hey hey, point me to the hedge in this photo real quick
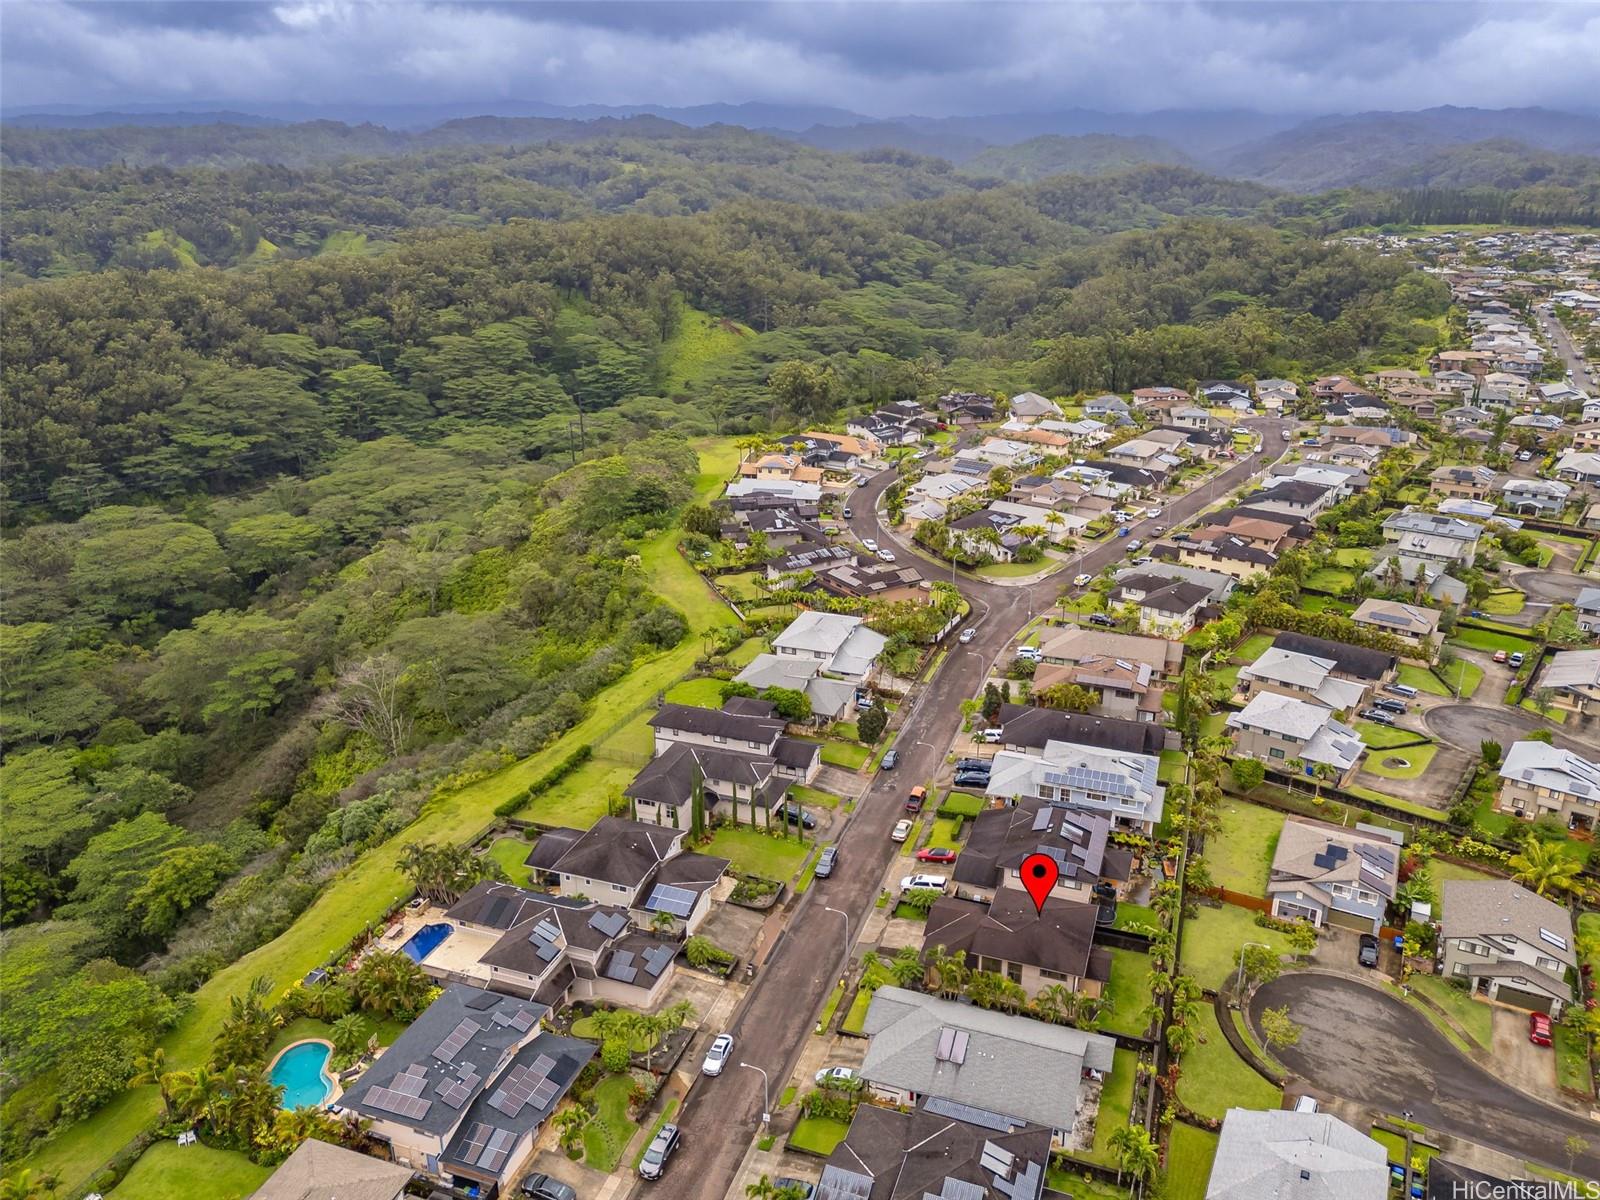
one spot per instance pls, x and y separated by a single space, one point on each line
545 782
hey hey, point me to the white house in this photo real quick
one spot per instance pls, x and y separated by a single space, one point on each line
842 645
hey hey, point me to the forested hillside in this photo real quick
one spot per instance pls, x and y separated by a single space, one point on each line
1089 154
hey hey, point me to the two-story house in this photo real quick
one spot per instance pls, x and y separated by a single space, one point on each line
1537 779
1227 555
1093 869
1304 676
1167 608
629 864
1536 497
1374 668
1431 537
1122 688
841 645
1121 786
1461 482
1414 625
1302 501
1587 609
1278 729
1510 944
1333 876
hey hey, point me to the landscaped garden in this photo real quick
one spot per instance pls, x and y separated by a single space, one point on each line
1572 1060
874 976
1213 938
606 1135
1407 762
753 852
1116 1102
818 1135
1216 1079
1240 854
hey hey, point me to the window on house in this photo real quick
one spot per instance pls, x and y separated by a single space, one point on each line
1274 752
1057 976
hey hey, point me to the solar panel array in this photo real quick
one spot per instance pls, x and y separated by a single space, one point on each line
675 900
487 1147
621 967
839 1184
482 1001
1088 779
413 1081
656 959
996 1159
524 1085
459 1037
1555 939
1380 858
413 1108
609 924
980 1117
456 1092
1026 1184
961 1189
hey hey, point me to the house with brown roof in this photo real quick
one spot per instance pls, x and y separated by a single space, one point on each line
321 1171
780 466
1227 555
1461 482
1123 689
1093 869
626 863
1033 947
1073 645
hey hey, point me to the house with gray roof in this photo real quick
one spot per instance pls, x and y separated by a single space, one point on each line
628 864
1587 607
830 698
1432 537
1278 729
1282 1155
893 1155
842 645
464 1092
1032 406
1120 785
1536 497
1538 779
322 1171
990 1068
1029 727
1306 676
1093 869
1333 876
1510 944
1414 625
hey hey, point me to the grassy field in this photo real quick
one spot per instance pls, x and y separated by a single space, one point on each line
846 755
943 834
344 241
1128 993
1477 1019
579 800
364 889
1190 1152
301 1028
1216 1079
1422 679
1213 938
1418 759
1483 639
194 1172
962 804
872 979
1129 915
1353 556
702 693
1116 1102
606 1135
1381 737
1016 570
510 853
754 853
1225 681
1171 769
813 797
1319 604
1240 855
1442 870
1336 581
818 1135
699 341
1506 602
1252 648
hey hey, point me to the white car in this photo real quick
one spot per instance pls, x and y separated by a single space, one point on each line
717 1056
1154 512
1082 580
836 1075
901 831
869 545
886 555
967 635
920 881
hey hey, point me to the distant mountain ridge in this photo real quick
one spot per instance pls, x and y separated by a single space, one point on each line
1085 154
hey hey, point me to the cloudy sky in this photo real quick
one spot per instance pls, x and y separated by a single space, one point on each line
881 59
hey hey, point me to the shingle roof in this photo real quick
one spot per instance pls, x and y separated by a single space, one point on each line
1347 659
1059 937
712 722
1025 725
1295 1156
1497 908
892 1155
1002 837
613 850
321 1171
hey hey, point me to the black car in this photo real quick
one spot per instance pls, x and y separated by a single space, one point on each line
542 1187
826 863
972 780
1394 706
972 764
796 815
1101 619
1377 716
662 1147
891 760
1367 956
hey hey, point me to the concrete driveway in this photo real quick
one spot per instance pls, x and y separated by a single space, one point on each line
1364 1045
1517 1060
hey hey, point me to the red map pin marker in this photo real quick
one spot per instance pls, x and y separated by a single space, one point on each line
1039 875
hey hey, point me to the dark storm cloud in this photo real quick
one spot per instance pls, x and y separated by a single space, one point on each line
883 58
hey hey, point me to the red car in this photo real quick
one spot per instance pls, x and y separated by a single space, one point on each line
1539 1029
1500 656
936 854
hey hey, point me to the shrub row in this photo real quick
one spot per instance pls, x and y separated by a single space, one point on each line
545 782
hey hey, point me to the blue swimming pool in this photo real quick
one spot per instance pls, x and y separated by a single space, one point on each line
302 1072
425 941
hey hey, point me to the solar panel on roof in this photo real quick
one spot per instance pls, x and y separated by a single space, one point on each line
656 959
410 1082
542 1066
675 900
548 930
543 1094
995 1159
839 1184
477 1138
609 924
522 1020
1041 819
621 967
388 1100
1322 861
546 951
496 911
965 1112
961 1189
459 1037
495 1153
481 1001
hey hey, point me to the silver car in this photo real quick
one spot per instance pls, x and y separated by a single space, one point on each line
717 1056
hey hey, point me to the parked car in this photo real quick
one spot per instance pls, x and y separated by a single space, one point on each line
917 798
936 854
1367 955
846 513
1158 529
1518 659
885 555
970 764
1525 456
890 761
836 1075
1082 580
1377 716
967 635
1031 653
826 862
1394 706
796 815
1123 531
979 783
921 881
1101 619
717 1055
992 735
1401 689
869 545
542 1187
662 1147
1154 512
1539 1029
901 831
1500 656
1284 434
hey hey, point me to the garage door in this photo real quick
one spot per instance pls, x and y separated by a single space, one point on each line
1532 1001
1349 920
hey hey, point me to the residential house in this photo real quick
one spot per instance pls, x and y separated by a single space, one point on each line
1227 555
1393 377
1462 482
887 428
627 864
892 1155
1514 384
1573 676
1391 568
1345 481
1587 606
1586 437
789 491
1334 876
1074 644
842 645
1536 497
817 558
1111 409
1120 785
1512 945
1134 480
1466 416
1352 455
1278 729
1030 406
1167 608
855 447
965 409
1538 422
464 1092
779 466
1218 586
1287 386
1031 946
1284 1155
830 698
1305 676
1223 393
1432 537
1025 727
1272 532
556 949
1335 387
1003 452
1201 445
943 487
319 1170
1460 383
1191 417
1093 870
958 1060
1538 779
1417 627
988 533
1122 689
1161 397
1373 668
1143 452
1577 466
1302 501
1386 438
873 581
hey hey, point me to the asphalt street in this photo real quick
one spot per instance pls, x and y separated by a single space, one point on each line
720 1116
1360 1044
1468 726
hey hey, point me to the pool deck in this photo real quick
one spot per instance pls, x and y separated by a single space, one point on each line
335 1089
455 958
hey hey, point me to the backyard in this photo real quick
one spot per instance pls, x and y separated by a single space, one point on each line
753 852
1408 762
818 1135
1127 994
702 693
1487 639
195 1172
1252 648
1240 854
1213 938
510 852
1190 1151
1461 674
606 1135
1116 1102
1216 1079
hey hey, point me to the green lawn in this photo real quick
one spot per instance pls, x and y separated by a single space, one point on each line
1212 940
1417 759
1116 1102
194 1172
742 585
1504 603
1216 1079
579 800
1240 854
1589 926
1353 556
943 834
830 1006
1190 1152
1128 992
699 341
756 853
1381 737
510 853
843 754
301 1028
818 1135
1483 639
1572 1061
1016 570
1225 681
354 898
962 804
1462 673
705 692
1476 1018
872 979
1336 581
814 797
1172 761
584 1027
1423 679
1129 915
1319 604
1441 870
1395 1146
746 652
606 1135
1253 647
1216 725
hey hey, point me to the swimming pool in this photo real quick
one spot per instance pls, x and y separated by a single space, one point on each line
302 1072
425 941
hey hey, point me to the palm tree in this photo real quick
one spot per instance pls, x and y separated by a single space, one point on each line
1121 1139
1180 1039
348 1033
1137 1156
906 967
151 1068
1543 867
196 1093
